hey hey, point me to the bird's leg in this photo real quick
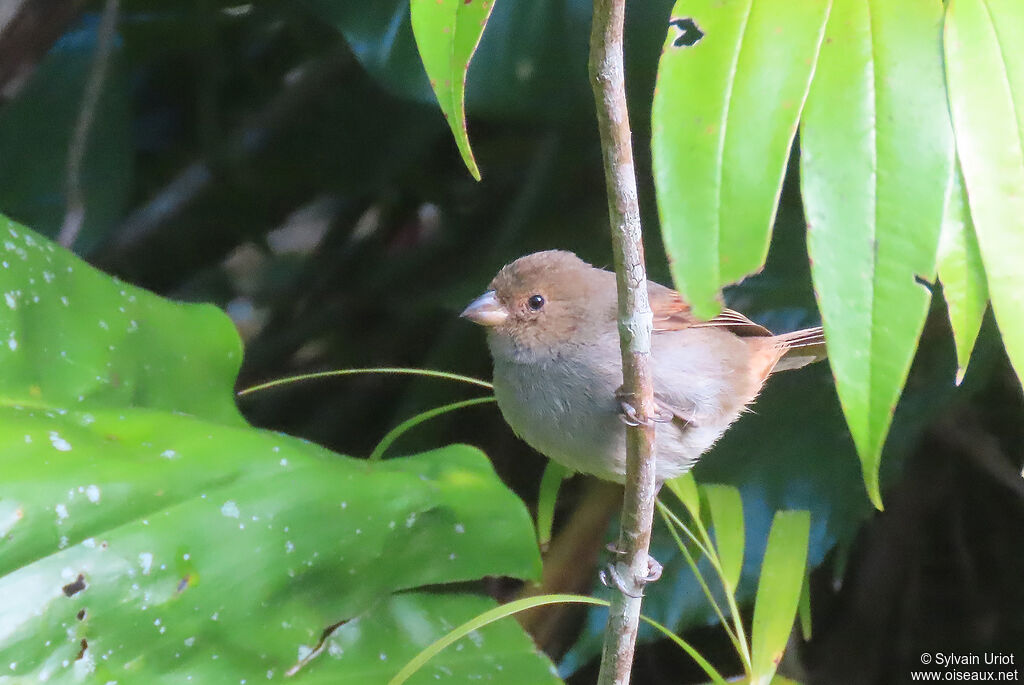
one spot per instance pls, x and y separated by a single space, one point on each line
629 416
611 575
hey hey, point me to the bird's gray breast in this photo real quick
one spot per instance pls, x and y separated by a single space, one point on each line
565 408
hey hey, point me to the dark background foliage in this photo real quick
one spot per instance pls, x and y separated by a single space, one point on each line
286 161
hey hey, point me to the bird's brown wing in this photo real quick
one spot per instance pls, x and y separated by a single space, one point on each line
672 313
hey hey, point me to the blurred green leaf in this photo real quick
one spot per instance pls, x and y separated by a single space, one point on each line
550 484
145 528
876 154
725 113
778 592
36 130
447 34
962 273
804 610
685 488
984 43
726 510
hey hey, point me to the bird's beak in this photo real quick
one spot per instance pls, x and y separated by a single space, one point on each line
486 310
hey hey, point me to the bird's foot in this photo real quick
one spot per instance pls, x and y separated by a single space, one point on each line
614 575
629 415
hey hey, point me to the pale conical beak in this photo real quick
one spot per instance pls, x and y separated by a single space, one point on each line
486 310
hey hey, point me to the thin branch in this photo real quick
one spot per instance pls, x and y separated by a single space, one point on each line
27 30
635 321
74 215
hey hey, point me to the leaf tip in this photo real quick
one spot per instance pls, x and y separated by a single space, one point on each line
874 493
961 371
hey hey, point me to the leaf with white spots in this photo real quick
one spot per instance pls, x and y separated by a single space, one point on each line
145 524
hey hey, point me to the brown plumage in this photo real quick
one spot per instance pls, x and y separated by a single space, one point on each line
553 335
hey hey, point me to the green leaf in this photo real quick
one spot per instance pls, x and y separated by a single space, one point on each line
876 154
484 619
961 272
685 488
724 115
984 43
804 610
778 592
726 510
447 33
550 484
402 625
75 338
146 528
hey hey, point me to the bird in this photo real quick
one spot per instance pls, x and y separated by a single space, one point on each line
552 330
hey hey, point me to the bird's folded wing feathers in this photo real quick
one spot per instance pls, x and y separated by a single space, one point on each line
672 313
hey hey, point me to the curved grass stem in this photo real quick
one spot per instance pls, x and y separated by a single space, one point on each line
396 371
401 428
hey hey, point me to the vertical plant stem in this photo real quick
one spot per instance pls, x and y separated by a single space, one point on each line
74 214
635 321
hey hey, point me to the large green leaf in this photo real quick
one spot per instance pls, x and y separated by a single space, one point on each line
778 592
148 532
876 153
732 80
984 42
961 272
447 33
403 624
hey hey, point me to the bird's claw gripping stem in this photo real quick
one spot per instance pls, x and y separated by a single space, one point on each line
628 414
612 575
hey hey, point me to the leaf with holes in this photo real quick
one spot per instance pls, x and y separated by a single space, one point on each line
146 529
447 33
876 155
732 80
984 43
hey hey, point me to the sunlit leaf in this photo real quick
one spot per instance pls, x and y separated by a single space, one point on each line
447 33
984 42
732 80
876 153
962 274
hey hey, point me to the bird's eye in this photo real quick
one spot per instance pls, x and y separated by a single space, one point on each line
535 302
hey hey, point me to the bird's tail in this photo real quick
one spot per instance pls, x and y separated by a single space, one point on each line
800 348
